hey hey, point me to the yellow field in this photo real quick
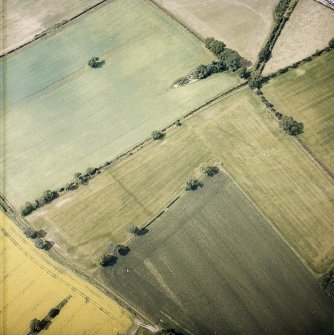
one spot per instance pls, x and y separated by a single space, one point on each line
239 132
309 28
32 284
242 25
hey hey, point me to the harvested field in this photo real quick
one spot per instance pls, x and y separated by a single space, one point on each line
306 94
242 25
239 132
32 284
24 19
72 117
310 27
213 265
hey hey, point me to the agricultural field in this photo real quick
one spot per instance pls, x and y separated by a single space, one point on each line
72 117
32 285
310 27
306 94
237 131
213 265
243 25
24 19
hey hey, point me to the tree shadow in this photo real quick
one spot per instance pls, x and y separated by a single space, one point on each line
142 232
48 245
123 251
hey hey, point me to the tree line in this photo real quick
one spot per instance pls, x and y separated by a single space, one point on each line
227 60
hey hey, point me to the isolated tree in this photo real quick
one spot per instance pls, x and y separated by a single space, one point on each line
192 184
157 135
291 126
133 230
30 233
27 208
95 63
209 170
39 243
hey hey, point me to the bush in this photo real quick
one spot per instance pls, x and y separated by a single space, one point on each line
30 233
49 195
157 135
280 9
95 63
243 73
27 209
264 54
39 243
290 126
53 313
331 43
192 184
255 81
231 59
35 326
215 46
209 170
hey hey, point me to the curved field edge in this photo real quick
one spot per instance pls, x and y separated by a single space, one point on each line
73 117
306 94
32 284
237 131
212 264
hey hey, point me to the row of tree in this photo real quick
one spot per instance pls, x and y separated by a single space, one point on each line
228 60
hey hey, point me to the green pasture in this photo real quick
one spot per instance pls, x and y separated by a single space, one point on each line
62 117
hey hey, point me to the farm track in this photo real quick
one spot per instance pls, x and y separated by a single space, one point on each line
53 30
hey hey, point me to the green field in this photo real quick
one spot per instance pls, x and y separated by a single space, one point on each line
239 132
213 265
306 94
72 117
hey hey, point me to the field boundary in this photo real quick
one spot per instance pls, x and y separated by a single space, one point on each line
21 222
54 28
272 225
274 34
53 274
176 19
317 161
149 140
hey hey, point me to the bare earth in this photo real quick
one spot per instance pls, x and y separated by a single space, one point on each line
25 19
242 24
310 27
